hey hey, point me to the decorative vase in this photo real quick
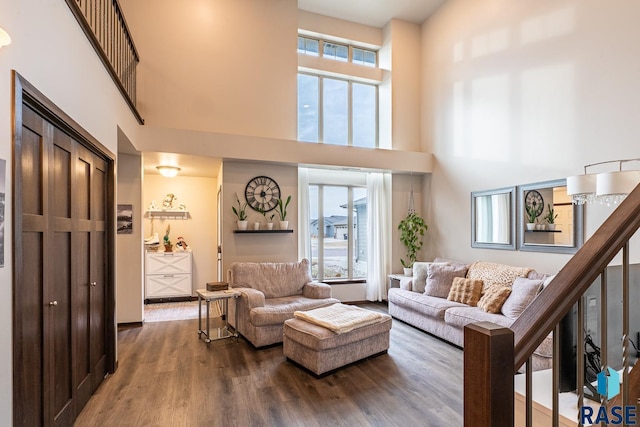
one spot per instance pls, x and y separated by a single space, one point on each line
408 271
551 227
269 226
256 226
539 226
242 225
531 226
284 225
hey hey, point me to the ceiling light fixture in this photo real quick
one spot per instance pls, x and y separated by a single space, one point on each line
609 188
168 171
4 38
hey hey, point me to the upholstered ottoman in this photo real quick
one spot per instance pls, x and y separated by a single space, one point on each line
321 350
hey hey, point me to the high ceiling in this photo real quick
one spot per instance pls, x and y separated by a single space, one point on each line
373 12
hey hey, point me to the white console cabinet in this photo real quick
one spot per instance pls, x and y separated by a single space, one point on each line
167 274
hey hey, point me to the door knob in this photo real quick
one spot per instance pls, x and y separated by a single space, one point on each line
53 303
94 283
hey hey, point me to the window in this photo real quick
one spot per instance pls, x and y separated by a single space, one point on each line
307 46
337 51
336 111
338 227
364 57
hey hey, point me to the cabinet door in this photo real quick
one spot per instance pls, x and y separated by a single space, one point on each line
168 285
168 263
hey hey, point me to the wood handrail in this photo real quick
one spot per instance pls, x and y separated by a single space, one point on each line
547 310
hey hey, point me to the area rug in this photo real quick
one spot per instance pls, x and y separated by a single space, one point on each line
170 311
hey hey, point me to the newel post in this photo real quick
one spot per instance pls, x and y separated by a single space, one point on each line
488 375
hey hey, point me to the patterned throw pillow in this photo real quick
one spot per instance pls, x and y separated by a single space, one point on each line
465 291
440 277
494 298
523 292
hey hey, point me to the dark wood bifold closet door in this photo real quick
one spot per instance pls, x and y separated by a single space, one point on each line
60 292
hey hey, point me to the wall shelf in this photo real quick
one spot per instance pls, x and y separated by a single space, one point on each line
261 231
543 231
169 213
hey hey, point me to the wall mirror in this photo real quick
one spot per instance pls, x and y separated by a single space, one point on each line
547 219
493 223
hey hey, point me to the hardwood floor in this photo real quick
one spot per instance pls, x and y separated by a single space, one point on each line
167 377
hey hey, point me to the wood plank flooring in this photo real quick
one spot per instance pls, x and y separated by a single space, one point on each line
168 377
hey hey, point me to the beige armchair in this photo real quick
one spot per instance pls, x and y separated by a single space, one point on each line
270 293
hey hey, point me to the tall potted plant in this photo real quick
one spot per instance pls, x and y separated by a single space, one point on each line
412 229
282 213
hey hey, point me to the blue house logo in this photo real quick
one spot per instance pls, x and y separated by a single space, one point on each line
609 383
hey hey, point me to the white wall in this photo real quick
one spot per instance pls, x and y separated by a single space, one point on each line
199 195
129 261
49 50
257 247
217 65
522 92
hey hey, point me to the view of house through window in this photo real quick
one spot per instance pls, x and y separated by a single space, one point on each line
338 227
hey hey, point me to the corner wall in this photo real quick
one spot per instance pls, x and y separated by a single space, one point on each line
522 92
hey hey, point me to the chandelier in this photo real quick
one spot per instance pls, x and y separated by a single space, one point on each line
608 188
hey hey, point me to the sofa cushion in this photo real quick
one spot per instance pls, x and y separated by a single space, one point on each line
492 300
523 292
462 316
450 261
493 274
277 310
440 278
465 291
274 279
421 303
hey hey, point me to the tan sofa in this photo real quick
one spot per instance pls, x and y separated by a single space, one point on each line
270 293
422 301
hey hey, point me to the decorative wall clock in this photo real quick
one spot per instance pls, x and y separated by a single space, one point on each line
262 193
533 200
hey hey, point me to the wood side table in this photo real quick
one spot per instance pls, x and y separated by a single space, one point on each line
223 297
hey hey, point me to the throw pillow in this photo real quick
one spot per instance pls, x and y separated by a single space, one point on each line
465 291
523 292
492 300
419 276
440 277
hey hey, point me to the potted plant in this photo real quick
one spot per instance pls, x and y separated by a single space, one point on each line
241 214
268 219
282 213
531 217
551 217
411 229
167 242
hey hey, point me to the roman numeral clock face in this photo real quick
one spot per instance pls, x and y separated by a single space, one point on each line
262 193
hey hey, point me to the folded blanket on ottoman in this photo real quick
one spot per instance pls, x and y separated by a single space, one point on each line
339 318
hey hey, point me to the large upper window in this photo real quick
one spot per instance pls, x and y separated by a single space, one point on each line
336 111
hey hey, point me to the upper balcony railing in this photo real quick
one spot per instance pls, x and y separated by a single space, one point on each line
104 24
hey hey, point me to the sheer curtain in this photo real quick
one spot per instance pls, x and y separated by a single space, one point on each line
304 235
379 235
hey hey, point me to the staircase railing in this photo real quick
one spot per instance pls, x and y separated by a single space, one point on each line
104 25
492 354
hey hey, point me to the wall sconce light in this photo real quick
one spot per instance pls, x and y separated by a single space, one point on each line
168 171
609 188
4 38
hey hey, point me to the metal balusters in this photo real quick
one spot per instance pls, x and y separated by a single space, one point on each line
105 26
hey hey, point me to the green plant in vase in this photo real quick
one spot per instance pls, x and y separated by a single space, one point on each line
241 214
550 217
412 229
282 212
